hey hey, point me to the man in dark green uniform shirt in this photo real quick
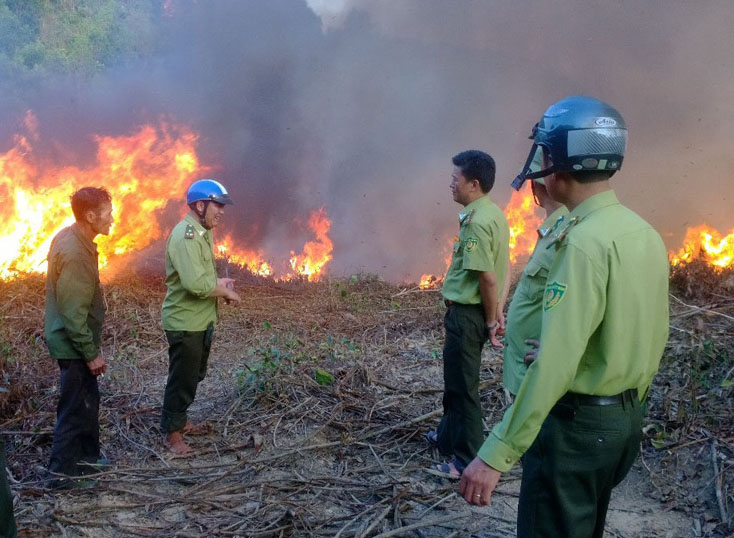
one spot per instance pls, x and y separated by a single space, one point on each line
473 293
73 328
190 306
577 419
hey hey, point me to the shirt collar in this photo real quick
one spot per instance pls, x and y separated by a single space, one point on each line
593 203
552 221
91 246
476 204
196 224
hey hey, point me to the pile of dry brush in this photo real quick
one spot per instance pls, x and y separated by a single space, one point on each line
317 396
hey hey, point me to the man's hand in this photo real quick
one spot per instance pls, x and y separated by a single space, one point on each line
225 288
97 366
478 482
492 330
501 321
532 353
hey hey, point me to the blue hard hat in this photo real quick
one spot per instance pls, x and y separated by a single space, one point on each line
207 189
580 133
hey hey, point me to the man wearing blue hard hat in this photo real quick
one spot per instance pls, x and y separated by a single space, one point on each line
576 420
190 307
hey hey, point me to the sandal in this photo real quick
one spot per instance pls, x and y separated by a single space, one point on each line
432 437
196 429
453 469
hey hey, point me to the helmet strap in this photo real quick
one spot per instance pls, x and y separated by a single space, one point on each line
201 214
527 174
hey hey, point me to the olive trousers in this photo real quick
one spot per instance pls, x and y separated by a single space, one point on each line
581 453
188 356
460 431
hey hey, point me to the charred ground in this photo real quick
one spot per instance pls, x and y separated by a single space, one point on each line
318 395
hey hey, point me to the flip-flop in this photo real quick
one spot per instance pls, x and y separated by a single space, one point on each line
432 437
453 469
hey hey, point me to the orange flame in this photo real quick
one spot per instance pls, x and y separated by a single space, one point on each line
140 171
522 216
707 243
252 261
316 254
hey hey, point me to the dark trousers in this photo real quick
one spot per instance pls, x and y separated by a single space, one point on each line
76 436
188 355
7 520
580 454
460 431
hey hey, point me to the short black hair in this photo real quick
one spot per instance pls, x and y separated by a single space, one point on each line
591 176
89 199
475 164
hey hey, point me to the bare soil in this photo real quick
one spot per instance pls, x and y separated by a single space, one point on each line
318 395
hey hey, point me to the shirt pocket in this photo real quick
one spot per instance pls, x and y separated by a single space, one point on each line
535 277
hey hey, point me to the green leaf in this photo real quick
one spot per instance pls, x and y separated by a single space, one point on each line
323 377
657 443
727 383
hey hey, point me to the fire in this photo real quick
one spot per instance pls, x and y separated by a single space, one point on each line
143 172
316 254
703 241
428 281
522 216
254 262
140 171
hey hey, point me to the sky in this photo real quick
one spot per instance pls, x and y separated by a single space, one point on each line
357 106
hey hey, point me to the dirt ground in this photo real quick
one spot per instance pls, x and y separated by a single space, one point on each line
318 396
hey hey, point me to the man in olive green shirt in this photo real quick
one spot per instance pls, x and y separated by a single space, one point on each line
73 329
576 420
474 291
190 307
525 313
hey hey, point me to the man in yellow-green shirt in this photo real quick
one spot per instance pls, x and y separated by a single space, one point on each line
190 307
576 420
474 294
525 314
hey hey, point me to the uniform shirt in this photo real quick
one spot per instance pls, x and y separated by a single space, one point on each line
482 245
526 308
74 306
605 320
190 277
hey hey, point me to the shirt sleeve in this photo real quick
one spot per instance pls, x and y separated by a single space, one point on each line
193 268
573 305
75 288
478 248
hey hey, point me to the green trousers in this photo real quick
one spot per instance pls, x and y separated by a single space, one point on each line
7 520
460 431
188 356
580 454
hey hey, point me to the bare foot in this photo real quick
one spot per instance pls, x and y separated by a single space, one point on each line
175 443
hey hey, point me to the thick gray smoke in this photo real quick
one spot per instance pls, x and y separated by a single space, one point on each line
358 106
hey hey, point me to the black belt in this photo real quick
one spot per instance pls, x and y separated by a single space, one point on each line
449 302
573 398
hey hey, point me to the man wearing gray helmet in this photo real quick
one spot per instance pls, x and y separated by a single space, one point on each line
576 420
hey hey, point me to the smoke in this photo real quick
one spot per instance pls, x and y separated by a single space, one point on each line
357 106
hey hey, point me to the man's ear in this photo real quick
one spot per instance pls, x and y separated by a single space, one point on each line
90 216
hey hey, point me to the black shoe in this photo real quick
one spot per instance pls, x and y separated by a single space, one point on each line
432 437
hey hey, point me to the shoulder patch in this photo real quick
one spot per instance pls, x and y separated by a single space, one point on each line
554 293
189 233
560 236
471 243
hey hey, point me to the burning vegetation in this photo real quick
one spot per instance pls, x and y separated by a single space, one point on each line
319 388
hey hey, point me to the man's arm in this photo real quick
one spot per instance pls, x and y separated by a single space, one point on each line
74 294
489 291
